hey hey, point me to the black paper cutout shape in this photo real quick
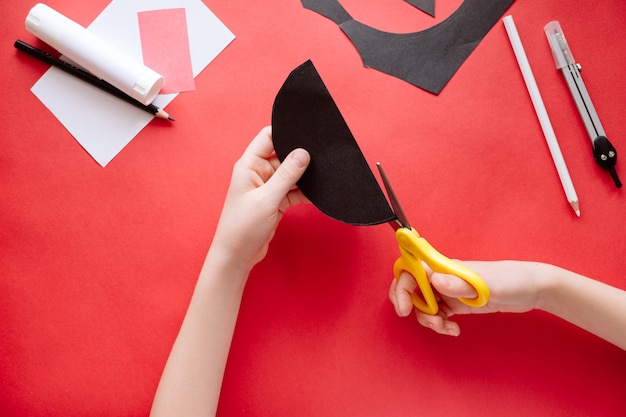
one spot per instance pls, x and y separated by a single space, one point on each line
427 59
338 181
427 6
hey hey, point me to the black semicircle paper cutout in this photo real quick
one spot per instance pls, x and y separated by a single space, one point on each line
338 181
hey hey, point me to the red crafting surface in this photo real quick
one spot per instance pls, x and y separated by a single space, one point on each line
97 265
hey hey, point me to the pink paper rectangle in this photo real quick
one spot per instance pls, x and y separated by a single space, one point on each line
165 47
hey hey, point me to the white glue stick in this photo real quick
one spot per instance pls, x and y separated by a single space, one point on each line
94 54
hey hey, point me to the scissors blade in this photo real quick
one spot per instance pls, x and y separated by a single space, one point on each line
401 219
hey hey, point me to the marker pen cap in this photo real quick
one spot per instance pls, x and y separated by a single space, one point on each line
94 54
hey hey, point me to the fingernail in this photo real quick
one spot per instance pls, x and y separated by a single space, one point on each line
452 331
301 157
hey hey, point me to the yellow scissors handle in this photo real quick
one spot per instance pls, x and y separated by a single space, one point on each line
413 250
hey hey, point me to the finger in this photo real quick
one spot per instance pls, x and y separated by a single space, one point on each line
393 297
404 287
296 197
439 323
261 146
254 160
407 282
452 286
400 299
288 173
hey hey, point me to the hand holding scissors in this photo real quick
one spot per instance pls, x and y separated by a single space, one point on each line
415 251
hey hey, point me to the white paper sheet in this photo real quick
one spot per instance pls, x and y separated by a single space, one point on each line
104 124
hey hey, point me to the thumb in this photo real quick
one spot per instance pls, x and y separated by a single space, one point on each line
288 172
452 286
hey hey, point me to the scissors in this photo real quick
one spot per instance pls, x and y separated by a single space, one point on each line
415 251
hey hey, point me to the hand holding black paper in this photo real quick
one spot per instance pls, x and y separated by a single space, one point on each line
338 181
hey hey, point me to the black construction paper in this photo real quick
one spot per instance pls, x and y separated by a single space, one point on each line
427 59
427 6
330 9
338 181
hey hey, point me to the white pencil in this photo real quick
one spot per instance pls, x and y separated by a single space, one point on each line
542 114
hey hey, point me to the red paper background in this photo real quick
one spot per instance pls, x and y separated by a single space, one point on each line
97 265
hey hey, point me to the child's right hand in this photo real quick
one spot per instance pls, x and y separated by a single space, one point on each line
514 287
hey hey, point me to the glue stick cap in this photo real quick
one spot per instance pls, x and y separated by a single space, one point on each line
94 54
147 86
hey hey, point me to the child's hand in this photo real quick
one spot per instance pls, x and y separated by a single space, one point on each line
261 190
514 286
